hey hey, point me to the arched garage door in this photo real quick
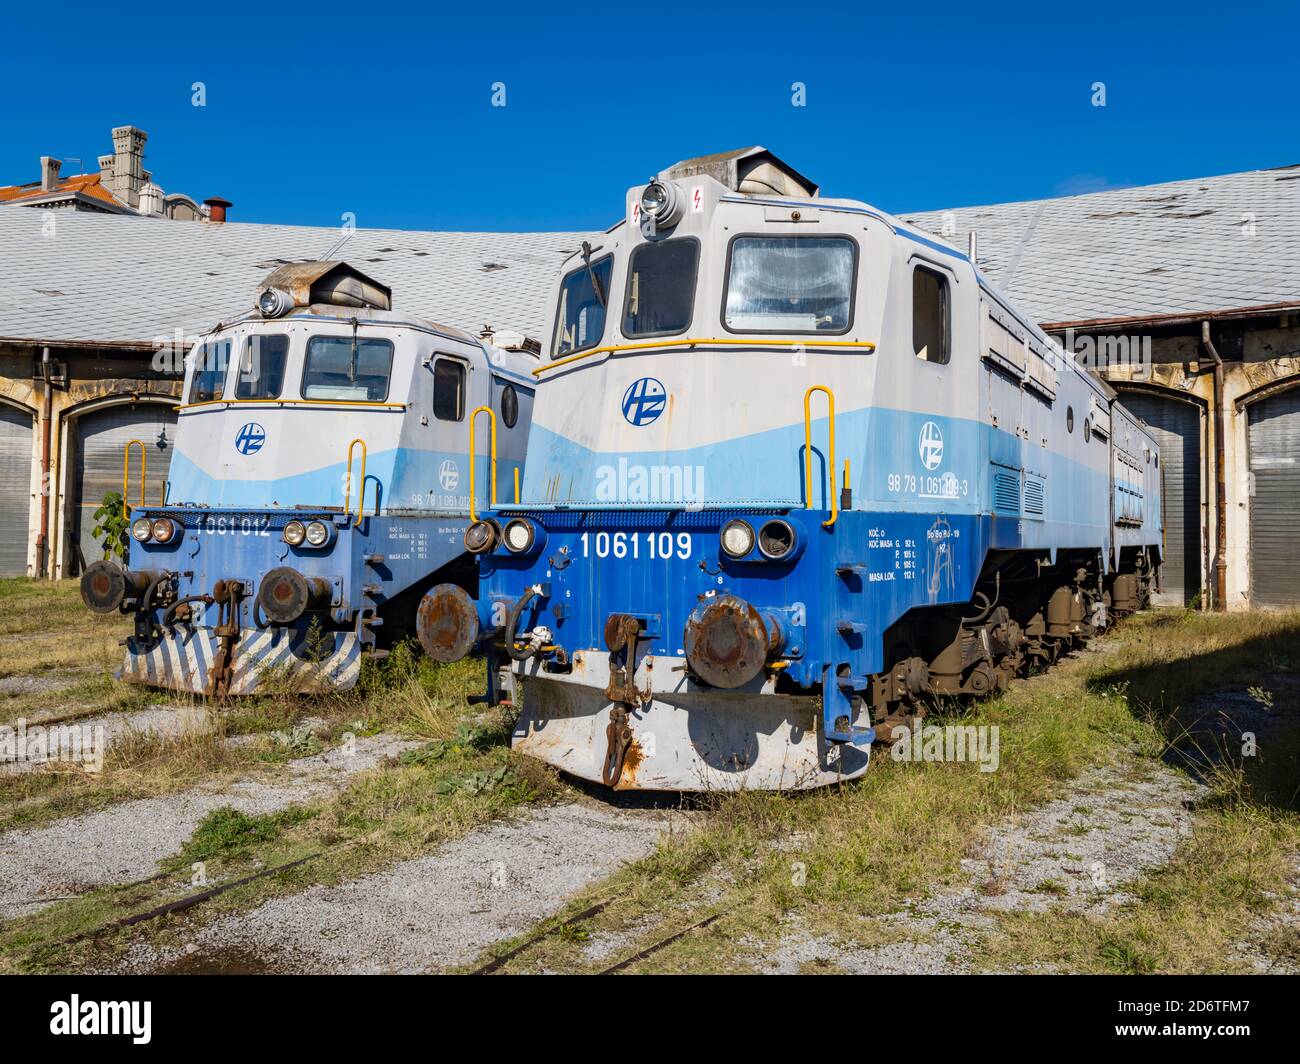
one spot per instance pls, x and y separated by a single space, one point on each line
100 437
1177 428
1275 507
15 489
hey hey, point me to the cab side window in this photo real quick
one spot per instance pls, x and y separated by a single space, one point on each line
211 362
930 334
448 389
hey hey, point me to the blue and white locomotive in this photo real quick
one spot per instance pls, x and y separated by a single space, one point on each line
795 467
322 481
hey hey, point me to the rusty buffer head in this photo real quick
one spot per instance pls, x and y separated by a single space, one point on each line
447 623
103 586
726 642
285 594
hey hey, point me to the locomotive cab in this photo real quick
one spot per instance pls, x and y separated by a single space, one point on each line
321 482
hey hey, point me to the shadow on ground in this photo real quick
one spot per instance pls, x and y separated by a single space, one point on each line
1230 713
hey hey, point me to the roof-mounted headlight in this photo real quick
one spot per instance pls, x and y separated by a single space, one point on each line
274 302
664 202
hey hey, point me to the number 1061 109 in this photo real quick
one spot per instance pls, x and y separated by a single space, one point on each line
653 545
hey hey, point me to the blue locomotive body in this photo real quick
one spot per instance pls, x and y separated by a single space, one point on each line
795 468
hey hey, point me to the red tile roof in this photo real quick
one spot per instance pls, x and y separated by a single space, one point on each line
86 184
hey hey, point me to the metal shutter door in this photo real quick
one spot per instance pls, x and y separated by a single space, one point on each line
101 435
1275 508
15 489
1177 429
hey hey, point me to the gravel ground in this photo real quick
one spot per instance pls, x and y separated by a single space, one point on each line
167 722
125 842
1076 852
429 913
13 686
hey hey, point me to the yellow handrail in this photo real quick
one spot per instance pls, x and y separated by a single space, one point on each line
516 485
473 469
347 481
807 449
126 469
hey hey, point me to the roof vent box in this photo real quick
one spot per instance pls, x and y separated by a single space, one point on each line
300 284
753 171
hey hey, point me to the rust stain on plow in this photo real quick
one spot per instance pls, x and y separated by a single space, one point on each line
632 758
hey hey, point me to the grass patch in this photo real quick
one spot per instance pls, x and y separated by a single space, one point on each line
227 831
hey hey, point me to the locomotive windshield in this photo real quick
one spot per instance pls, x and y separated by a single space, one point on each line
210 371
661 288
261 369
340 367
791 284
584 296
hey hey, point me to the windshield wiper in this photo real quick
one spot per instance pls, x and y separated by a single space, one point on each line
596 286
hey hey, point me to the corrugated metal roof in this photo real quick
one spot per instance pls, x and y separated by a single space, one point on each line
74 277
1184 247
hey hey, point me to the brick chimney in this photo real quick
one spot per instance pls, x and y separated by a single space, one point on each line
217 208
128 163
49 173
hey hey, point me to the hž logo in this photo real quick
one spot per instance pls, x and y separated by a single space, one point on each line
250 438
448 475
930 444
644 401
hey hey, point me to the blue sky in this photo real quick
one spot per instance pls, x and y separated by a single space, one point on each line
311 113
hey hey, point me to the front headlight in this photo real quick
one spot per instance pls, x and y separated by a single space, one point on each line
480 536
737 538
164 529
294 533
776 539
141 529
519 535
318 534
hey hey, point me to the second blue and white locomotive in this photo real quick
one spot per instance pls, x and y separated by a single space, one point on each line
795 468
322 481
